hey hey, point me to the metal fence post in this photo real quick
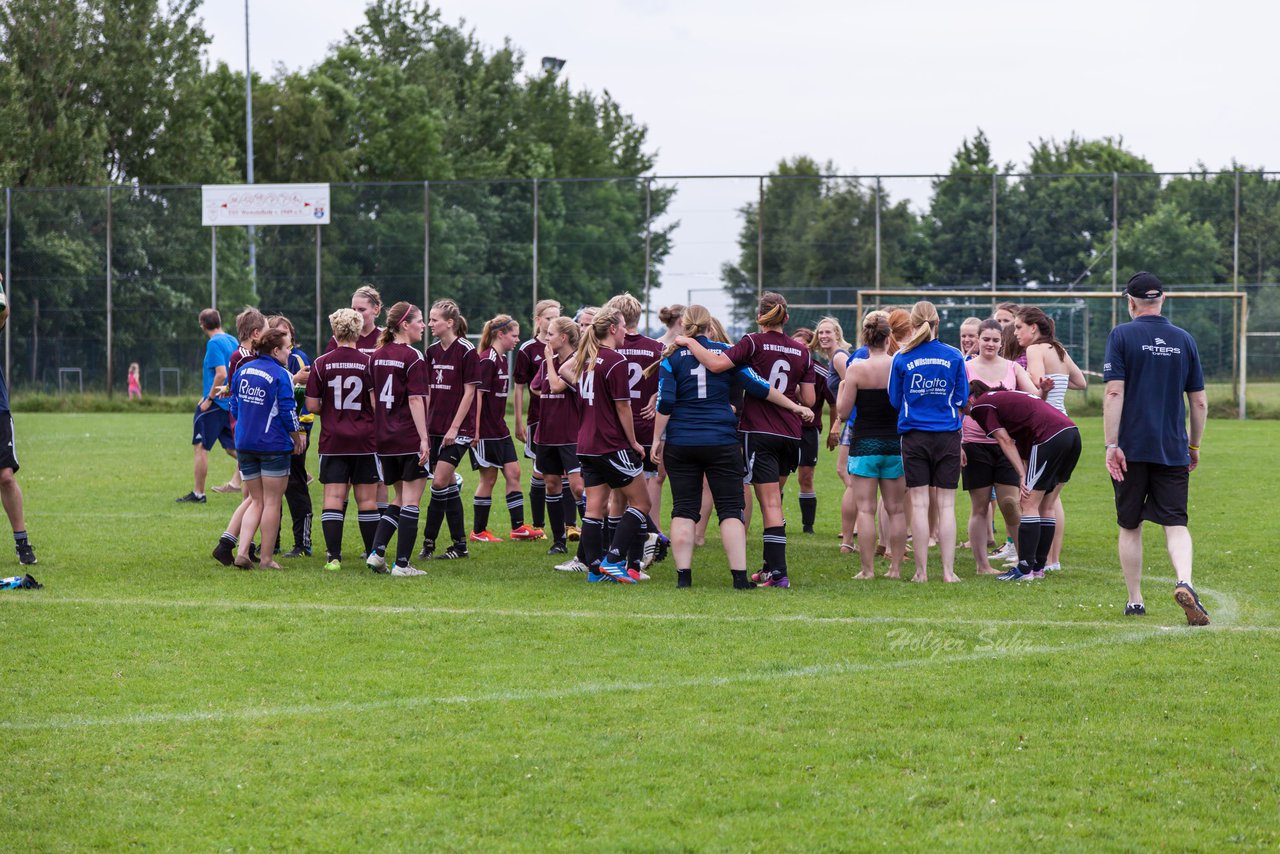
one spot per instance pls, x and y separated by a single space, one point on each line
994 232
648 235
213 265
316 351
760 242
426 246
1235 240
535 245
1115 243
109 247
877 233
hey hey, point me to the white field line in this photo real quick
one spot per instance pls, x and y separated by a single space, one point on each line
522 613
585 689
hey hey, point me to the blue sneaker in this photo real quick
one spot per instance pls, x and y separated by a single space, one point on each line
1014 574
616 571
594 577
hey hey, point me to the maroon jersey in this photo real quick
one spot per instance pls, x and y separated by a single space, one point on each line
365 343
529 358
242 352
493 378
399 372
1028 419
342 379
600 431
641 351
448 371
561 411
822 394
786 365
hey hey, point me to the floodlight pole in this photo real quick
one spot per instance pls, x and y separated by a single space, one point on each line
877 233
648 231
248 136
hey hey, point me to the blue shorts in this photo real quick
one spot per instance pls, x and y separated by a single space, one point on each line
255 464
885 466
212 425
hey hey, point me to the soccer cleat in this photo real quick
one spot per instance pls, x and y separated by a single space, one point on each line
1033 575
192 498
406 571
526 532
1135 609
776 579
334 565
638 575
457 551
428 549
558 549
253 553
664 545
572 565
225 488
617 572
1014 574
762 576
222 553
297 551
650 553
594 577
376 562
572 533
1005 552
26 554
808 530
484 537
1185 595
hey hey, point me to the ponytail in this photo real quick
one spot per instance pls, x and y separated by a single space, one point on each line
695 321
924 325
592 338
494 328
399 313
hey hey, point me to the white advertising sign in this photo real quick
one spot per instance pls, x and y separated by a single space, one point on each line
265 204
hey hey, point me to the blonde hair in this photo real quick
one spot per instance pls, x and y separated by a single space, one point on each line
449 311
596 333
841 343
369 294
716 332
539 307
772 310
249 322
628 306
695 321
568 327
924 325
493 328
346 324
396 317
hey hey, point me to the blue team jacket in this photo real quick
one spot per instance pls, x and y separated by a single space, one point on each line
698 400
263 406
928 385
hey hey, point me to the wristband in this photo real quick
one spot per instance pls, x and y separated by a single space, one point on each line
1111 445
1193 447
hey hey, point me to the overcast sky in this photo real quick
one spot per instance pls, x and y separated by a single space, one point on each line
732 86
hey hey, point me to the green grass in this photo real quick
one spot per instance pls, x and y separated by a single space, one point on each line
154 699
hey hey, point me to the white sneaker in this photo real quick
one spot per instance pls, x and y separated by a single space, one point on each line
1052 567
650 552
406 571
1005 552
376 562
571 565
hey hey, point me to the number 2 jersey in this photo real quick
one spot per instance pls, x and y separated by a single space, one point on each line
641 351
342 379
785 365
399 373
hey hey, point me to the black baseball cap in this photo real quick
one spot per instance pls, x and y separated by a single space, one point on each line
1145 285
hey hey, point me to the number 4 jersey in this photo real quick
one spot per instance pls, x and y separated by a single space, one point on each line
342 378
399 373
786 365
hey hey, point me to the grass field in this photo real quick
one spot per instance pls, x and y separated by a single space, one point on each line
153 699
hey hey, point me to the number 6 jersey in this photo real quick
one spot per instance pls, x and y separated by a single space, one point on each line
341 378
785 365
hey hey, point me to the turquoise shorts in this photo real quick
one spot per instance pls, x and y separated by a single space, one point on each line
886 466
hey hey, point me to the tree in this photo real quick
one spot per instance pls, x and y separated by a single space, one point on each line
959 221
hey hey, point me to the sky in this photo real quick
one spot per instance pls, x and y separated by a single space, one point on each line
885 88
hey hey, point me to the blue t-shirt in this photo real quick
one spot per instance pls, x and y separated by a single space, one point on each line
698 399
1159 364
928 385
218 352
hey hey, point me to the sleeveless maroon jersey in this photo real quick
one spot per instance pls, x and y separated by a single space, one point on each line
493 378
601 432
529 358
448 371
1028 419
641 351
342 379
399 372
561 411
365 343
785 364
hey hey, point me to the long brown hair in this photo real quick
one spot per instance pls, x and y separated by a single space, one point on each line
772 310
493 328
1035 316
268 341
596 333
396 317
924 325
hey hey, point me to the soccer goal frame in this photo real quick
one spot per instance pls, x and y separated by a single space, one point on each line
1239 314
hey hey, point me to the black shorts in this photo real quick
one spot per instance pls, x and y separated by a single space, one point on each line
493 453
615 469
649 466
400 467
451 454
1053 460
808 447
349 468
1154 493
931 459
558 459
211 427
722 467
987 466
8 450
530 446
769 457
